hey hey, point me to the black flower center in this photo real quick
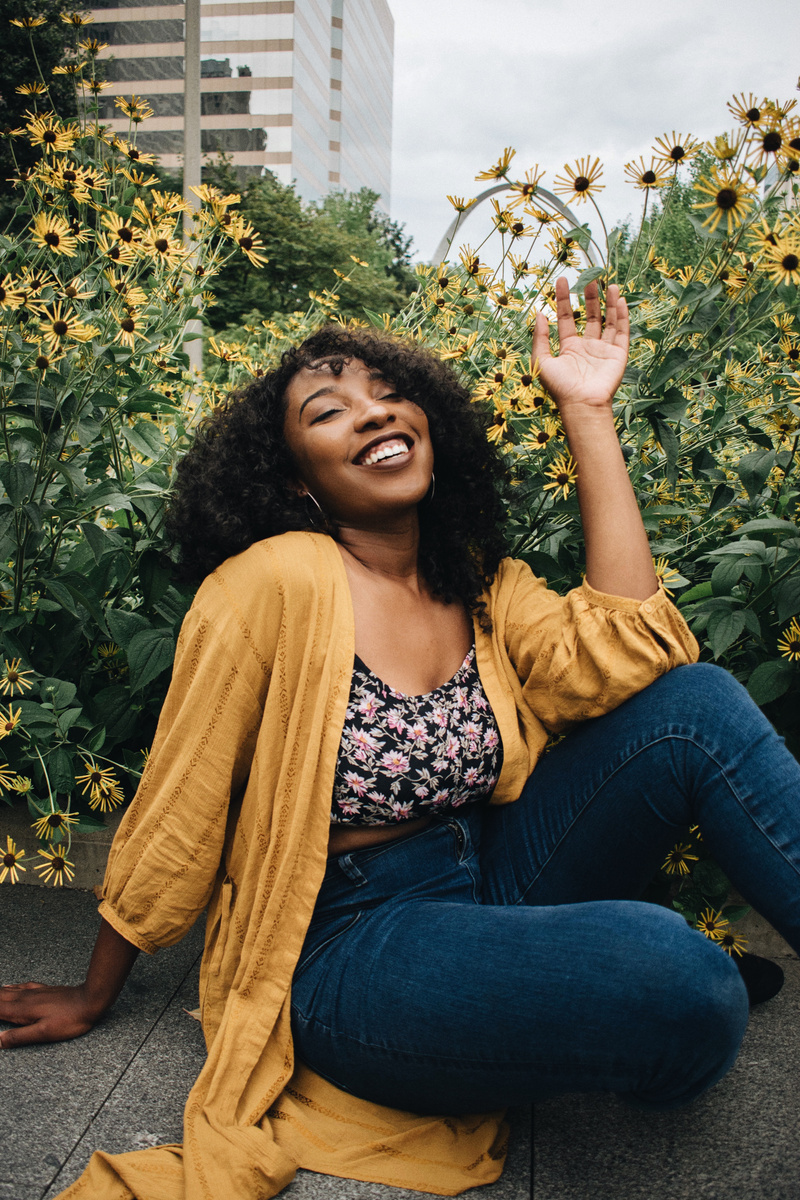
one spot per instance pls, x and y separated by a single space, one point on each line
49 137
9 860
162 245
649 177
771 141
677 153
57 863
581 183
128 325
133 154
247 244
70 176
727 198
753 115
42 362
52 239
60 329
125 234
793 354
55 821
526 380
542 437
561 478
790 262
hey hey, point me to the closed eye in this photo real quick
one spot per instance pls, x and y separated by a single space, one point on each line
321 416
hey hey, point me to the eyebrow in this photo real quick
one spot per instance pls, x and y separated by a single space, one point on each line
331 389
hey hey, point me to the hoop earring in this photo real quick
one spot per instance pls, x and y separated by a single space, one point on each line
431 492
314 518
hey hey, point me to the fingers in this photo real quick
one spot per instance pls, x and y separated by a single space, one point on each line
564 313
541 337
617 330
594 315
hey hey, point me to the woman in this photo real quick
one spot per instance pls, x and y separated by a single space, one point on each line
360 689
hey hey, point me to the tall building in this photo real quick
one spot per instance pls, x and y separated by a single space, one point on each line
300 87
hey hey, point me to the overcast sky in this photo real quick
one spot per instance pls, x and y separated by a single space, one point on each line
565 79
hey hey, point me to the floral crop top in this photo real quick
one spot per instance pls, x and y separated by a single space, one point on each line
405 756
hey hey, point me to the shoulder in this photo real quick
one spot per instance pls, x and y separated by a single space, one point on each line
266 572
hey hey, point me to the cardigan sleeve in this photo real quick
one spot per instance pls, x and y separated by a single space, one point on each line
166 853
581 655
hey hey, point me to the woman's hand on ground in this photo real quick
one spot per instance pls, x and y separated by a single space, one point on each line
44 1014
587 370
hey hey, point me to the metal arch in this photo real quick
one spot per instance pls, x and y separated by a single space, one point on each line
550 201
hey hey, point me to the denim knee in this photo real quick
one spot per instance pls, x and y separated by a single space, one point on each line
701 1021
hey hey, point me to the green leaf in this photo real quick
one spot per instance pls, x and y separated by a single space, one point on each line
674 362
146 438
787 597
723 494
587 276
59 692
710 879
770 680
745 548
699 592
88 824
18 480
155 575
61 770
753 470
149 653
665 436
726 574
735 912
769 525
723 630
124 626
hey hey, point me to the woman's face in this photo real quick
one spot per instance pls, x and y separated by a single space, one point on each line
360 448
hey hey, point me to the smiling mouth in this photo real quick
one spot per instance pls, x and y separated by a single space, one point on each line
391 448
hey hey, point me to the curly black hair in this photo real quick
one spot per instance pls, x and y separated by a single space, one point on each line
234 487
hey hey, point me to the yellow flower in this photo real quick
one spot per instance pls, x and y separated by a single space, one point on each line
676 149
121 229
136 108
563 473
665 573
789 642
102 785
22 785
9 861
790 348
92 47
129 329
12 679
27 22
49 133
56 866
783 261
54 233
747 110
460 204
524 192
121 253
472 263
9 722
77 289
37 88
10 294
676 862
132 154
712 923
248 241
95 85
767 142
161 248
72 68
731 198
580 181
537 439
731 942
725 147
643 176
77 19
500 168
54 823
6 777
59 325
564 250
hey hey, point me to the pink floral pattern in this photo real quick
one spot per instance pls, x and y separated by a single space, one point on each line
404 756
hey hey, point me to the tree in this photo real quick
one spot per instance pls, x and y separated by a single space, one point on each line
306 244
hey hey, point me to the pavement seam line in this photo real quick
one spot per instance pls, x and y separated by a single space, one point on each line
122 1074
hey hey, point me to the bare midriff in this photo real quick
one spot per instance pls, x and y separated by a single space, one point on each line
345 838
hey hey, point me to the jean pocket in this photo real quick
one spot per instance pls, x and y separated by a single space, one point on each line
322 938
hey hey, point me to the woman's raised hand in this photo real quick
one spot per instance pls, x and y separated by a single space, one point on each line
587 370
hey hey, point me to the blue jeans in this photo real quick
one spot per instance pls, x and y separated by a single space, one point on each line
499 956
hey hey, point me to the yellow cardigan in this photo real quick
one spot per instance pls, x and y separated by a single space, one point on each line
233 813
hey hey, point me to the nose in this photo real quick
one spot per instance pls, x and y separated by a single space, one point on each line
371 413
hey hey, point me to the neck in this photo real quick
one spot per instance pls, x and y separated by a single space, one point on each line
390 553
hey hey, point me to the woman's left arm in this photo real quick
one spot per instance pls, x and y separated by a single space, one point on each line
582 379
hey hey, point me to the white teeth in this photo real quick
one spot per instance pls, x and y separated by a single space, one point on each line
385 450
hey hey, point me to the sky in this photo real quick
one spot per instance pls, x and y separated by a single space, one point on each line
565 79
